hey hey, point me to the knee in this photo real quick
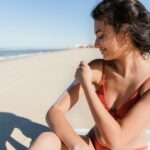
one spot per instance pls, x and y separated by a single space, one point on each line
49 137
46 138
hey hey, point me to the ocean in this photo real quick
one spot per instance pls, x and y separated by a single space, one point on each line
17 53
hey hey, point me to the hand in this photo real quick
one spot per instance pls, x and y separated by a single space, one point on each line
83 73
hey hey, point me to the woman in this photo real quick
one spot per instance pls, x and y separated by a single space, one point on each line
120 105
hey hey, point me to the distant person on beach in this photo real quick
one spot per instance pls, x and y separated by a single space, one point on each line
120 102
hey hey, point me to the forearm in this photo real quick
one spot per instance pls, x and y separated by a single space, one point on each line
57 121
106 124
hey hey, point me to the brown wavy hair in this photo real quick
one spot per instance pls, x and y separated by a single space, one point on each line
131 12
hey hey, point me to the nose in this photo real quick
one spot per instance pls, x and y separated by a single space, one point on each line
97 43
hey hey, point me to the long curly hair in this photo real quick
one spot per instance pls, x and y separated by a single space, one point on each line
131 12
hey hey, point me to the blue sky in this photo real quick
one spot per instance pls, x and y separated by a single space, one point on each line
47 23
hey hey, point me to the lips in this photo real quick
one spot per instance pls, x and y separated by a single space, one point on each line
102 50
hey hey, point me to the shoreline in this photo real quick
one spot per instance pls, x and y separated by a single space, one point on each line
33 53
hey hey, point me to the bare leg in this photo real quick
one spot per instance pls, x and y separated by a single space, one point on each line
47 141
50 141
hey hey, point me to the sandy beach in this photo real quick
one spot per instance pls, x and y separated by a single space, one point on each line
29 86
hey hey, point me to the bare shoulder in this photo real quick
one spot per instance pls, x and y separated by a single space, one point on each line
97 66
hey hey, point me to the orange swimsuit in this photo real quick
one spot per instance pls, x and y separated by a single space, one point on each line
117 114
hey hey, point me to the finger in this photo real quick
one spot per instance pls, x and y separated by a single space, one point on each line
80 65
83 63
80 68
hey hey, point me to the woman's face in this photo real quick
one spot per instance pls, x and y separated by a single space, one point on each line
108 41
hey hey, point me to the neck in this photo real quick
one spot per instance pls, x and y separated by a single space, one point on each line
129 64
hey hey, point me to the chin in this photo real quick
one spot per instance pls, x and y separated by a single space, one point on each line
108 58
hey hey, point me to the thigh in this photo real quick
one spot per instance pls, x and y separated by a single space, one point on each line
85 138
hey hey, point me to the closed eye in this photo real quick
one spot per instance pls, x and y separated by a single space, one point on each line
100 37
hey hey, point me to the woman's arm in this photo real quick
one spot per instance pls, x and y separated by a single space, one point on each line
56 115
117 134
109 128
57 121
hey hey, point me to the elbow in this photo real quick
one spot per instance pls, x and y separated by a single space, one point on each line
121 142
118 141
49 113
52 114
118 144
47 116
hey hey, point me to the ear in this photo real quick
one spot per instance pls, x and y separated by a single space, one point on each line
123 34
124 29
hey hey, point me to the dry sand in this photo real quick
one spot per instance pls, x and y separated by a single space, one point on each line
29 86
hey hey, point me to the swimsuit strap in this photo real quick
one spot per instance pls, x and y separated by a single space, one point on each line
147 79
131 101
103 74
101 87
136 93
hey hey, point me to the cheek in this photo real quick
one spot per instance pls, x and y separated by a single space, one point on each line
112 44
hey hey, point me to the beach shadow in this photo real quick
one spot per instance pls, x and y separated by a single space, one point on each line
10 122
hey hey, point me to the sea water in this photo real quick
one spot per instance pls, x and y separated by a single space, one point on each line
16 53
